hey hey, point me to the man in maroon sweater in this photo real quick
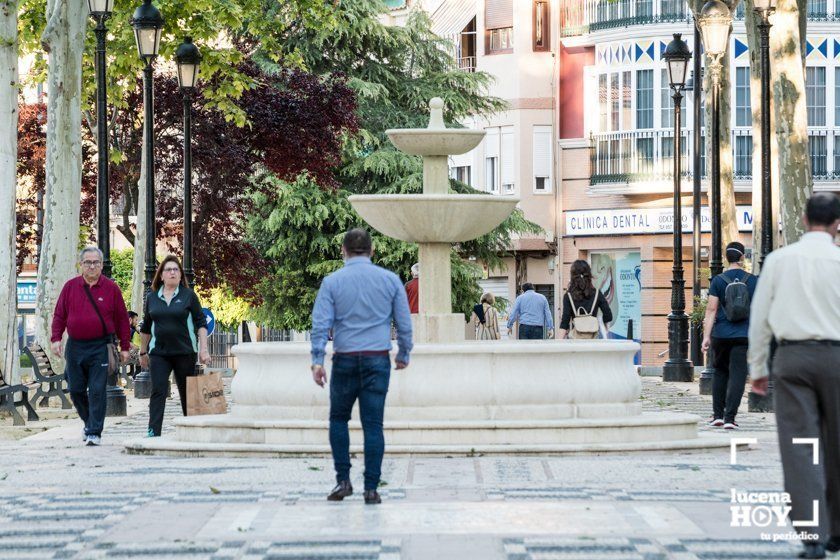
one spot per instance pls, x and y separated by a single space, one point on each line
88 334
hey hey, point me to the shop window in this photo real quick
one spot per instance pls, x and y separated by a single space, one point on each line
542 26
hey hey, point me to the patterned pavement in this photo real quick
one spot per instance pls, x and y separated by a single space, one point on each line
64 500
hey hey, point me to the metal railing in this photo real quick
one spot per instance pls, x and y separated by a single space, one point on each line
578 17
219 344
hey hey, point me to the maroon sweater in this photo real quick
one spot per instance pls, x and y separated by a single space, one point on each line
75 313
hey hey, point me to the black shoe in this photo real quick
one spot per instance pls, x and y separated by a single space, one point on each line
833 544
341 491
372 497
813 550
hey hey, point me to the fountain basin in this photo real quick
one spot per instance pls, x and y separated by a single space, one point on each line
434 218
435 141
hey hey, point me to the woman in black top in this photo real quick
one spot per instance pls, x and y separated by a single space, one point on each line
584 295
173 332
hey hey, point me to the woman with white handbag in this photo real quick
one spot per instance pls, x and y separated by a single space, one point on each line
581 304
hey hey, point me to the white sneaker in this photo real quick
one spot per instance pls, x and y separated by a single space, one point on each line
730 426
716 423
94 440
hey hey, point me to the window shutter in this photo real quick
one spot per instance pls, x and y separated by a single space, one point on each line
498 14
542 151
491 143
508 177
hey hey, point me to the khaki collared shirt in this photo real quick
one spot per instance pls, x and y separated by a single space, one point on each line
798 297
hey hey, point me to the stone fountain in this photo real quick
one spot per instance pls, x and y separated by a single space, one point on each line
456 396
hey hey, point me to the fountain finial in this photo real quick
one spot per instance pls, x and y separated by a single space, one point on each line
436 113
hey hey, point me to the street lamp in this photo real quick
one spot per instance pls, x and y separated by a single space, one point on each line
188 59
677 367
763 9
147 23
100 11
715 26
696 233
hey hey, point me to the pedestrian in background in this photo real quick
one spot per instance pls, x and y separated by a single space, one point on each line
92 311
726 331
172 335
581 300
532 312
485 319
359 302
412 289
798 303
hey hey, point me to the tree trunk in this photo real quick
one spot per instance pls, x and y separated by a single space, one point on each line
140 237
63 39
8 187
788 88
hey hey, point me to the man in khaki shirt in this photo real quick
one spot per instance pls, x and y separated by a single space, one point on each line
798 302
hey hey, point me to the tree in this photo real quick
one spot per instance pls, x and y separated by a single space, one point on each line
298 225
31 162
63 39
8 187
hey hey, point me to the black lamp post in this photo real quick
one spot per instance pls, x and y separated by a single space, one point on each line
715 26
100 11
763 9
188 59
677 367
696 233
147 23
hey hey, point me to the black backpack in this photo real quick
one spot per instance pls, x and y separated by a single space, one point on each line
736 299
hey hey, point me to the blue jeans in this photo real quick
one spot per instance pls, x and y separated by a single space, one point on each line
87 374
530 332
365 378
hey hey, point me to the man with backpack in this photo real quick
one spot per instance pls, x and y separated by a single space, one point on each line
726 330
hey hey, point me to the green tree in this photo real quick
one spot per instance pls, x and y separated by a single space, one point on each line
395 72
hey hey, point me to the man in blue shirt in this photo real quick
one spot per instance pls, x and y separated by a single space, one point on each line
728 340
533 313
359 302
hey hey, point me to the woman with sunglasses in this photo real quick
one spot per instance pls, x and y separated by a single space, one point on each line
173 334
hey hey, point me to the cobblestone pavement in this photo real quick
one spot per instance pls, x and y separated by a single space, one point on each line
64 500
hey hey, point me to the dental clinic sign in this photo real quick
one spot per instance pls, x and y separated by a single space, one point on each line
643 220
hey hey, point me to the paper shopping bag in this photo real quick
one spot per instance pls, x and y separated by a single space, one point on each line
206 394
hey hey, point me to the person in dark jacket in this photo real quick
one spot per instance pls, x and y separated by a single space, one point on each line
584 295
173 333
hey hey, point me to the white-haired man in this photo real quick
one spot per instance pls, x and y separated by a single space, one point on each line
92 311
412 289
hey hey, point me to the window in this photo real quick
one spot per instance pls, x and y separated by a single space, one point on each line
542 22
542 159
603 95
837 92
674 9
467 48
614 102
743 107
817 149
743 156
644 149
627 100
817 9
644 98
507 161
491 161
644 8
815 95
462 173
498 21
836 155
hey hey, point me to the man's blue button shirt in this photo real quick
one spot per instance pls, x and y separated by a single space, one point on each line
358 302
531 308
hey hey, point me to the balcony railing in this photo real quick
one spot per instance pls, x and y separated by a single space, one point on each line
578 17
648 155
467 63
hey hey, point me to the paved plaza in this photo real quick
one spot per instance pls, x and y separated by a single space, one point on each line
64 500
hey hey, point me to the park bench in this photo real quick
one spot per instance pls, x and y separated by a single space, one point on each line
8 402
46 376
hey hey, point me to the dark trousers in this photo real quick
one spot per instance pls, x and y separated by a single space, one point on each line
731 372
87 374
530 332
807 401
159 368
365 378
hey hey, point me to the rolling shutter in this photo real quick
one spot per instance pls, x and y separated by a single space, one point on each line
507 155
498 14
